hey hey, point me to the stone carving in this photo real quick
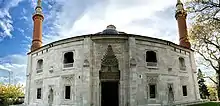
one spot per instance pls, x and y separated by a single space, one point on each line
39 82
69 78
109 66
109 58
109 63
51 69
133 62
152 78
109 75
86 63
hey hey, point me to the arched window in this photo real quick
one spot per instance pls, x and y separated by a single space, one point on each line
68 59
182 63
151 58
40 65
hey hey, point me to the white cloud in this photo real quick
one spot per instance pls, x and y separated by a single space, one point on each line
16 64
21 30
4 79
5 17
6 26
4 68
24 11
24 18
154 18
73 18
67 18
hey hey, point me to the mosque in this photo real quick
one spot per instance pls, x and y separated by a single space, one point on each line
111 68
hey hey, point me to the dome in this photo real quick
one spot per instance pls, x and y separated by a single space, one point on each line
110 29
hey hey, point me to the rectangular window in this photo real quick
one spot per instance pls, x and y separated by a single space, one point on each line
67 92
38 93
152 91
184 90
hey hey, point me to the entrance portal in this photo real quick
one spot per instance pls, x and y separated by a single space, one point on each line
109 76
109 93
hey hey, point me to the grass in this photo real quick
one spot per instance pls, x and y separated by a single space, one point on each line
207 104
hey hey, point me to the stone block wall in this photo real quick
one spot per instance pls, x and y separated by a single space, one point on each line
135 75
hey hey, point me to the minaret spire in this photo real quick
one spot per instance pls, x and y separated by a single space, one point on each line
38 9
38 18
39 3
181 20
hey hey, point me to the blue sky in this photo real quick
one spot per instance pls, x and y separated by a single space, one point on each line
66 18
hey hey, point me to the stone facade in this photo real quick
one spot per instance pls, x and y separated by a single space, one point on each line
136 75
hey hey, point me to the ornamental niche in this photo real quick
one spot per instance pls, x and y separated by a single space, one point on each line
109 66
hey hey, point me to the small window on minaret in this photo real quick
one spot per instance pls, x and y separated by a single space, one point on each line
68 59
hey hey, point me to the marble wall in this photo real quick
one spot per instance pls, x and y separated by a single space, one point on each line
135 74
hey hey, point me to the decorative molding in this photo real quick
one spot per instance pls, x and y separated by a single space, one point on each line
86 63
184 79
39 82
69 78
109 59
152 78
109 66
133 62
109 63
51 69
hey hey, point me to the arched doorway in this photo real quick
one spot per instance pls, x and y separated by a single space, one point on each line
109 76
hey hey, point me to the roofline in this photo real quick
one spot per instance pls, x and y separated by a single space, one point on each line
97 34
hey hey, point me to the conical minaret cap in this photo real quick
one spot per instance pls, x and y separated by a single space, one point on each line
180 9
179 5
39 3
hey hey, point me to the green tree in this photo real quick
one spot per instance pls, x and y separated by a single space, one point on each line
205 33
213 93
203 90
10 93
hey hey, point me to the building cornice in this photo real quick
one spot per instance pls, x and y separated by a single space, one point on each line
113 36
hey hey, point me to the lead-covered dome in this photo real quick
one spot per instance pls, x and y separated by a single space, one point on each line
110 29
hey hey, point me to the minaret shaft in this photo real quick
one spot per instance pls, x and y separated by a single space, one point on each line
37 31
182 27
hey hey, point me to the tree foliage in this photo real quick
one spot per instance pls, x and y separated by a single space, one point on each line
205 32
213 93
9 94
205 38
204 10
204 93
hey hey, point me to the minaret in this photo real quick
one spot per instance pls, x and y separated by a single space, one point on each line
181 20
38 18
